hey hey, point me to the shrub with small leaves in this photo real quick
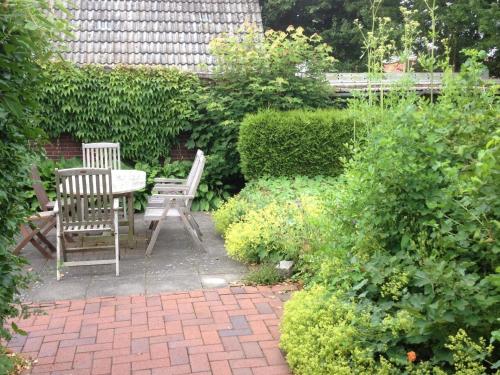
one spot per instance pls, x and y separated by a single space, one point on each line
299 142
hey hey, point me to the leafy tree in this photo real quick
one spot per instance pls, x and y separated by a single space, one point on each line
28 28
465 23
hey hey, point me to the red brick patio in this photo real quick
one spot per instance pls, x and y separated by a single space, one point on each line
224 331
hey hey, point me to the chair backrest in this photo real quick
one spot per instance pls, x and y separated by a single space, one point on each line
192 172
41 194
101 155
84 196
196 180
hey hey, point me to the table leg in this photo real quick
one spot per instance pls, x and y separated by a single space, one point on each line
130 214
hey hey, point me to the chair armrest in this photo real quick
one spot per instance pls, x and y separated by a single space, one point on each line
169 180
175 196
50 205
170 188
42 215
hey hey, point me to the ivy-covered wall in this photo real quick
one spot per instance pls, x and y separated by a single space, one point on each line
144 109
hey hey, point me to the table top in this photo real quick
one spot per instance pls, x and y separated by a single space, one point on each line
126 181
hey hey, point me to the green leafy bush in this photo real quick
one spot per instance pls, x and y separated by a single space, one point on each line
280 69
28 32
259 193
272 219
144 109
415 243
296 143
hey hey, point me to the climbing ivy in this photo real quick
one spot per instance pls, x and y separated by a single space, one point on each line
144 109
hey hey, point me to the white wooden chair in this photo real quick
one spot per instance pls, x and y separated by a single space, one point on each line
105 155
101 155
163 185
175 203
84 206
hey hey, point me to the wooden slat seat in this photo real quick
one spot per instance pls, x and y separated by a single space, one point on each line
89 228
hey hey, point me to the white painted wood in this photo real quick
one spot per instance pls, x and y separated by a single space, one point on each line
175 204
101 155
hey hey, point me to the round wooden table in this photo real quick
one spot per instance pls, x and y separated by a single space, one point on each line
124 183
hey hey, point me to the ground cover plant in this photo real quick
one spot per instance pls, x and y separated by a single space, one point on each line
273 219
408 282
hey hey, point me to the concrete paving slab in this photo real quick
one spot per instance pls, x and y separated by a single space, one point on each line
171 283
116 286
51 290
174 265
218 280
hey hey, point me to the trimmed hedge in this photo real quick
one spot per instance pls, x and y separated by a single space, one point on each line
298 142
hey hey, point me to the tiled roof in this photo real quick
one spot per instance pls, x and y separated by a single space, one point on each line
154 32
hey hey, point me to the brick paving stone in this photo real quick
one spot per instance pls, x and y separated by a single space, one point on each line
232 330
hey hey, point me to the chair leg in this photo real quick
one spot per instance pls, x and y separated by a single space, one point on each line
191 230
117 245
63 247
154 236
40 248
44 239
194 225
58 251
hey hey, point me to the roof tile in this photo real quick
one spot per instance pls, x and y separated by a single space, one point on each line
153 32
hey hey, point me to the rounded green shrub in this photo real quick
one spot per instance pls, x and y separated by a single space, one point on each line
230 212
299 142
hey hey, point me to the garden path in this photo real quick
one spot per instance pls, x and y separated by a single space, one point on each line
232 330
174 265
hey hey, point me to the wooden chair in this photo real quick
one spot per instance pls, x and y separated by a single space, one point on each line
85 206
105 155
101 155
178 184
175 204
41 194
34 232
37 226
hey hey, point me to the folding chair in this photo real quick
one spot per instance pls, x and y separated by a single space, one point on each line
178 184
34 232
174 203
41 194
85 206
